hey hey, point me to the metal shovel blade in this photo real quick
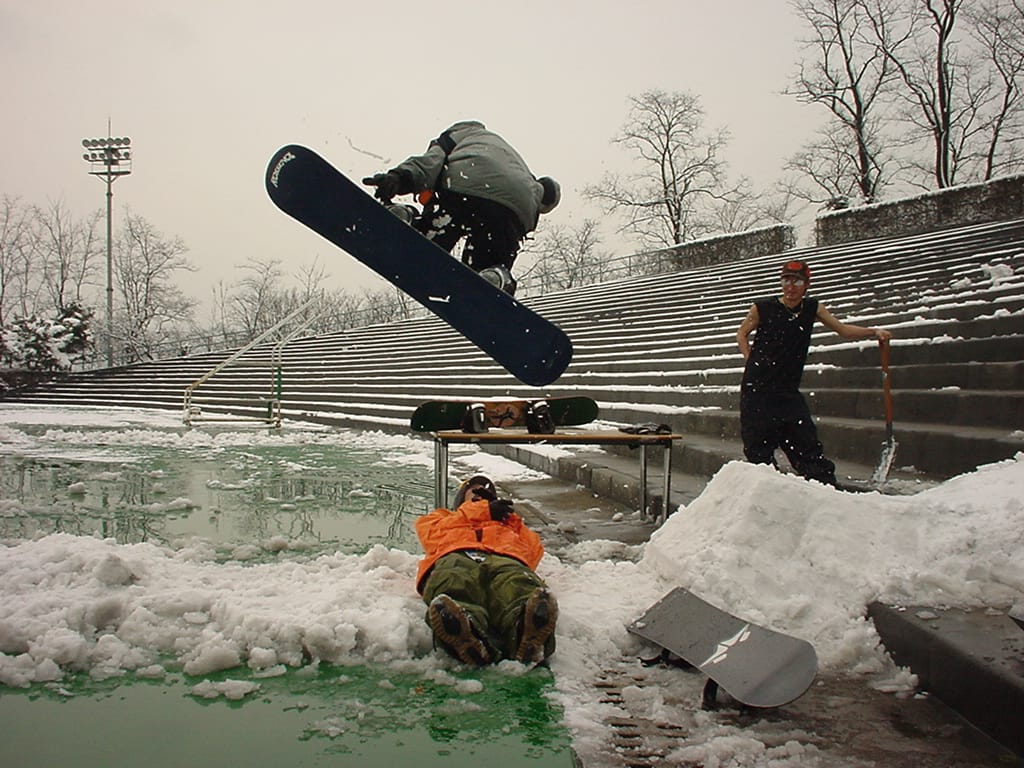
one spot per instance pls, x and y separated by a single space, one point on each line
889 447
1017 615
884 462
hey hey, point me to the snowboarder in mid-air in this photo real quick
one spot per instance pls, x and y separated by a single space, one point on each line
313 192
473 185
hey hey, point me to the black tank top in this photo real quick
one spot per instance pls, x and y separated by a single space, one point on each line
779 350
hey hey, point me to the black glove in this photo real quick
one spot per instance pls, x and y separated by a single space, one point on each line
500 509
388 185
483 493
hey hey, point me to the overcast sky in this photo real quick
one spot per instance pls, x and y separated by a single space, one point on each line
208 89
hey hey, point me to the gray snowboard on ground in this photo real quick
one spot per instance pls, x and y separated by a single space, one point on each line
757 666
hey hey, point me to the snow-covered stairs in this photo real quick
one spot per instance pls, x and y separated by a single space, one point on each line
662 348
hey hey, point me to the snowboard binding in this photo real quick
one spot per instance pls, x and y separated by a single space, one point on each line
405 213
538 418
475 420
500 278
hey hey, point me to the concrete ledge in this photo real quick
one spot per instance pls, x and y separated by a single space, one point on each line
972 660
614 474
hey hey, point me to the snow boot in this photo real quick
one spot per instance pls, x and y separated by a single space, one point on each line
539 616
453 629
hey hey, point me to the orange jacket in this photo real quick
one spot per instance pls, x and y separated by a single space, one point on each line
471 527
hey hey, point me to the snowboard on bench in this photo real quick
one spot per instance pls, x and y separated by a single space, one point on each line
757 666
500 413
312 191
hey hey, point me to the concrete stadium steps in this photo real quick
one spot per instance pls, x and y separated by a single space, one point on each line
989 409
902 271
662 348
964 443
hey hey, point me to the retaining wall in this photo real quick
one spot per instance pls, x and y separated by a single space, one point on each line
996 200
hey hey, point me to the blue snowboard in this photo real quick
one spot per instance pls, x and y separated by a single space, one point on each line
757 666
311 190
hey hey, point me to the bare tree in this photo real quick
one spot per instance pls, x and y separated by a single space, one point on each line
68 251
825 170
682 177
255 304
403 304
998 28
220 328
310 278
348 310
565 257
47 258
962 90
848 67
16 244
382 305
782 204
152 306
920 92
929 78
746 209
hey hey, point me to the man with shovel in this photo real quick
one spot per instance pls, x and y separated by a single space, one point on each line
773 413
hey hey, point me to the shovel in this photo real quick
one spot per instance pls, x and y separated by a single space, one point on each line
889 447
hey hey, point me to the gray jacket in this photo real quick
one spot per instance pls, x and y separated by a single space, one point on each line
481 164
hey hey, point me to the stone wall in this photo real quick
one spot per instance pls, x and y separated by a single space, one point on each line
724 248
997 200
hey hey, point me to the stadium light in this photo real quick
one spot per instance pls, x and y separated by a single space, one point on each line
109 159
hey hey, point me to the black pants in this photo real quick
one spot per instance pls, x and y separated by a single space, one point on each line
772 420
493 232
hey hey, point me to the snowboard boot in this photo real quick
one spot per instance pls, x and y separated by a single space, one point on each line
501 278
537 639
454 630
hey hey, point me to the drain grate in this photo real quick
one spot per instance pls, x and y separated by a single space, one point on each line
636 742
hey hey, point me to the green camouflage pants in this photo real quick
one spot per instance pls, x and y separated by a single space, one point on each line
492 590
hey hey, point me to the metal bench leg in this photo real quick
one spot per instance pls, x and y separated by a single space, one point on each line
440 473
667 484
643 481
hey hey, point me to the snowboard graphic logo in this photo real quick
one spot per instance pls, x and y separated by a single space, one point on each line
722 651
275 176
756 665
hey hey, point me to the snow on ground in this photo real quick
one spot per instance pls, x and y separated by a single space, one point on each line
797 556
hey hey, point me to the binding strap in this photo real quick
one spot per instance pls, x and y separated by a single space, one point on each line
446 142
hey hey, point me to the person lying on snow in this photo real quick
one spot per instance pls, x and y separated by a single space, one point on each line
485 603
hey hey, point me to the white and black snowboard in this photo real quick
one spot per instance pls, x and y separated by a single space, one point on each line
757 666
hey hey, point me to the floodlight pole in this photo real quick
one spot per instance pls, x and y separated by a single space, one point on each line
109 159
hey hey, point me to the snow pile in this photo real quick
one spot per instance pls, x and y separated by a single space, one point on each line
88 604
796 556
774 549
806 559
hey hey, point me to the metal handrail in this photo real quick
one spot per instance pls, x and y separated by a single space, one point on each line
187 411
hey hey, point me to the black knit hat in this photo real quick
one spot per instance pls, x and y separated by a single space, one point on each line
475 480
552 194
